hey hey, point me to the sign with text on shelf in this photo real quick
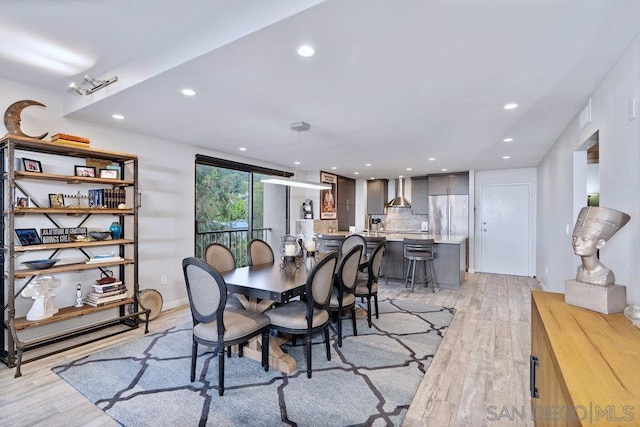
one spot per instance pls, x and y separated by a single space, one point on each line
62 235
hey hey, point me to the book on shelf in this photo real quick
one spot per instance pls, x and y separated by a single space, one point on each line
71 143
67 137
108 289
107 197
107 296
103 258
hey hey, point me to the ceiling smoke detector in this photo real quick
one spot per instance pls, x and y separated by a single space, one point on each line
300 126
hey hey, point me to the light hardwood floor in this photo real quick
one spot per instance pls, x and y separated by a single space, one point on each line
478 377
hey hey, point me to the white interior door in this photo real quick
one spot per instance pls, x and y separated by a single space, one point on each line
505 229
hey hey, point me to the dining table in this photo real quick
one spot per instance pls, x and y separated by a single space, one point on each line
258 288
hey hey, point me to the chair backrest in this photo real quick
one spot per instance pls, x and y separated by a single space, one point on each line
319 283
373 242
419 247
220 257
374 264
348 269
331 242
206 289
352 241
260 252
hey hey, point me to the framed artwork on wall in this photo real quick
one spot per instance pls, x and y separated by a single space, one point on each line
328 208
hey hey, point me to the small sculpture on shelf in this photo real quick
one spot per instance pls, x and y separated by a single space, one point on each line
79 302
40 291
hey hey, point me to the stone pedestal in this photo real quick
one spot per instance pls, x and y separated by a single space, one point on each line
607 299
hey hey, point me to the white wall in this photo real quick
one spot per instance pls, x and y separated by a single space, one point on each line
166 179
560 191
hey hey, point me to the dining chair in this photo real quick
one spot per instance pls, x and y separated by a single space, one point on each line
368 287
372 244
352 241
221 258
260 252
342 295
215 325
310 315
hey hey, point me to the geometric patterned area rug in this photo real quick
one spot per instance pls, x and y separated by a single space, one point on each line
370 380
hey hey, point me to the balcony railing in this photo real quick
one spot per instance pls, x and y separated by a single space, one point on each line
236 240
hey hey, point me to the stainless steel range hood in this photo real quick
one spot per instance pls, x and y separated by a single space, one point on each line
399 201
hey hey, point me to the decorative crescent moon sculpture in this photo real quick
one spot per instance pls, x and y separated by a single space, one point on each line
12 118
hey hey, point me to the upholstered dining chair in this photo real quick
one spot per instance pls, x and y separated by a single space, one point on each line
352 241
305 317
342 297
221 258
260 252
368 287
215 325
372 244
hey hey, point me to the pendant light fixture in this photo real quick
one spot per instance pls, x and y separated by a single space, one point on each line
292 182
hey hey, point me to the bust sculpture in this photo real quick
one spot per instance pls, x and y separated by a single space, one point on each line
594 227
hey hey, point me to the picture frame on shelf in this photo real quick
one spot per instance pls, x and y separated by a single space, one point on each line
28 236
116 168
86 171
31 165
109 174
56 200
23 202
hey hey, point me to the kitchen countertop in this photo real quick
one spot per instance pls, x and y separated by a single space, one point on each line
400 236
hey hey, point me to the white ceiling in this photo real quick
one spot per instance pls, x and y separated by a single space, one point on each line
392 82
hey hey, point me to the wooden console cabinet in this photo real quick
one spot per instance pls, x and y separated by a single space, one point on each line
584 366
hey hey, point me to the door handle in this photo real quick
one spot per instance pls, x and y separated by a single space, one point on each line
533 362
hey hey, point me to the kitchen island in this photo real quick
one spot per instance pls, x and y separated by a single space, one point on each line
449 263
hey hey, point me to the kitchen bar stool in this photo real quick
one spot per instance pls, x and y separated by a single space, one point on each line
420 251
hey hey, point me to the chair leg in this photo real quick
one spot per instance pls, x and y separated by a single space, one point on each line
265 351
413 274
353 320
308 353
408 276
229 351
340 327
240 349
375 300
326 342
369 310
194 355
221 371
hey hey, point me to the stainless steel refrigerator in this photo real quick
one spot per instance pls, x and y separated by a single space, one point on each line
449 215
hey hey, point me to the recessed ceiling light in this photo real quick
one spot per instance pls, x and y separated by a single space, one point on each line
118 116
431 159
506 157
306 51
400 176
409 169
356 173
445 169
188 92
242 148
508 139
368 164
333 168
511 106
296 163
373 177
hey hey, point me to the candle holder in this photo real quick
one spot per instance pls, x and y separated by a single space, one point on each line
291 251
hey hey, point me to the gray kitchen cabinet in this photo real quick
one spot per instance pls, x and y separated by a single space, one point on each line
446 184
419 196
377 193
393 260
346 205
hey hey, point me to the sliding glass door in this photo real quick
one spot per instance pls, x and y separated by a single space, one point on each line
233 206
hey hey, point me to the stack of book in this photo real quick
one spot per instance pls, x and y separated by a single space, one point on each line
106 294
110 198
71 140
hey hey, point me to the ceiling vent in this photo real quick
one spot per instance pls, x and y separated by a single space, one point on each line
399 201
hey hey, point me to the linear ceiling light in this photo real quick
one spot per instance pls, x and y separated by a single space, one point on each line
295 183
94 85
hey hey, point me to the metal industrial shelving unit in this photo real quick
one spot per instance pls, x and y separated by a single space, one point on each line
126 312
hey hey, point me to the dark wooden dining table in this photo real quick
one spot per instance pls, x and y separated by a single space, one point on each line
258 287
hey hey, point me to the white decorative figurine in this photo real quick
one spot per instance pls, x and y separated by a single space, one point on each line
40 291
79 302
